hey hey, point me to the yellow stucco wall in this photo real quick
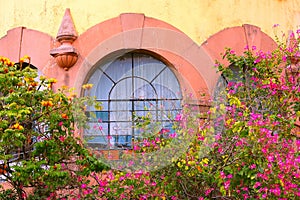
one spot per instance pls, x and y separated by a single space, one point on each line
199 19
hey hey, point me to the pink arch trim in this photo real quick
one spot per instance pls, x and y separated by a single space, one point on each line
135 31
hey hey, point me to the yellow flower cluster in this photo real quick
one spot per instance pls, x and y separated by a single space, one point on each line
87 86
52 80
187 165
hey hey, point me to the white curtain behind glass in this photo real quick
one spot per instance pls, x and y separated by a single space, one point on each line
132 84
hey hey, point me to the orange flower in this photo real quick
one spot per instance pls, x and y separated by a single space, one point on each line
17 126
26 57
64 116
199 168
22 60
5 60
34 84
9 63
28 79
47 103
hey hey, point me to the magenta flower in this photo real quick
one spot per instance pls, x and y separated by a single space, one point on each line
178 117
62 138
208 191
284 58
164 130
253 166
222 175
173 135
229 176
256 185
227 184
153 184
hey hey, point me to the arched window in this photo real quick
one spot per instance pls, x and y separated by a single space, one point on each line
134 84
220 94
224 80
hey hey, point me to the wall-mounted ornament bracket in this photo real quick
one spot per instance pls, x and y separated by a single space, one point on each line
66 55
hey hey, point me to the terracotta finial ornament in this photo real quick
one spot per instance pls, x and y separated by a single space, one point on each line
66 55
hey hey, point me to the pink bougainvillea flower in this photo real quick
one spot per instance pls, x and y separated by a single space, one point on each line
62 138
178 117
256 185
253 166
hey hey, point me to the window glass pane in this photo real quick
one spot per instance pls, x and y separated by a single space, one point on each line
119 68
101 85
168 126
123 140
168 115
103 88
121 128
220 88
236 73
104 105
120 116
123 90
169 104
97 142
102 115
97 116
219 92
120 105
147 67
167 85
152 114
144 105
143 90
94 79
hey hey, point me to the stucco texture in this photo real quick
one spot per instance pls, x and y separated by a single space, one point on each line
198 19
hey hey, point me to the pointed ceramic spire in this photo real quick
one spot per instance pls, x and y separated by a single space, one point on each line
66 55
67 27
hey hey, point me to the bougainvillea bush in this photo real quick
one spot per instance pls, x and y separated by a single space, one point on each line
40 154
247 147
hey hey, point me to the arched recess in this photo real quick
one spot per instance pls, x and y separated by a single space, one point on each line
22 41
236 38
191 64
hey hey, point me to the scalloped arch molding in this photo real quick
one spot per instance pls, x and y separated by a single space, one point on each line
192 63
